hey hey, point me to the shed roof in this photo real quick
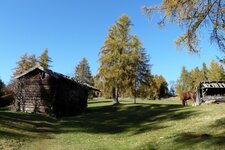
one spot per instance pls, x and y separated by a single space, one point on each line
57 76
212 84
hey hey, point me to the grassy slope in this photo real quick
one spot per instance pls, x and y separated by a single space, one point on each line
146 125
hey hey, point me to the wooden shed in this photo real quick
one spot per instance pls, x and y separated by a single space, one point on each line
208 92
45 91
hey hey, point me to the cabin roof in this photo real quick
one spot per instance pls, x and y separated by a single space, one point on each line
56 75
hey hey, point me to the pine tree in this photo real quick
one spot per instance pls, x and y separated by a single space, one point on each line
2 85
146 88
25 63
138 66
44 59
161 86
83 73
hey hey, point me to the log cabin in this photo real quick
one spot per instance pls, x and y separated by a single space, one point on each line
42 90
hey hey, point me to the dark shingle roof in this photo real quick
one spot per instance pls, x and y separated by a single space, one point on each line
57 76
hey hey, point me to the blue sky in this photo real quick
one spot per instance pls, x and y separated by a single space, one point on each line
73 29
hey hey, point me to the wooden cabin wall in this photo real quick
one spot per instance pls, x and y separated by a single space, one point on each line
36 94
47 94
71 98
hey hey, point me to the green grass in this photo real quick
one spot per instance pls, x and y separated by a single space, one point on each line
146 125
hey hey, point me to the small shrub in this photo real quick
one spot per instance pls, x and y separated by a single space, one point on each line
6 100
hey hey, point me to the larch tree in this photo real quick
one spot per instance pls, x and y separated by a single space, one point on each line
114 57
196 77
204 72
193 16
44 60
184 82
32 61
216 71
123 61
83 72
25 63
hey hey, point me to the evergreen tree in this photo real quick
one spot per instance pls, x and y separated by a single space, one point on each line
146 89
106 91
44 59
114 56
184 82
2 85
25 63
21 65
196 77
83 73
123 61
204 72
156 89
161 86
216 71
138 66
32 61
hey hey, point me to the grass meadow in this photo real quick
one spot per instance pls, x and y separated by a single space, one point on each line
158 124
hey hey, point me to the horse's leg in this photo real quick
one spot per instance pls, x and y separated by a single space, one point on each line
193 102
186 102
183 102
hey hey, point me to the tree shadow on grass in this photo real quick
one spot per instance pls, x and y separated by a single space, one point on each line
135 119
16 129
23 125
208 140
97 101
219 125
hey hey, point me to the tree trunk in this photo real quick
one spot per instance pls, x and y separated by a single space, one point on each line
115 96
135 91
135 100
135 95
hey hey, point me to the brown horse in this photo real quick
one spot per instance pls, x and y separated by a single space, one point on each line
187 96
